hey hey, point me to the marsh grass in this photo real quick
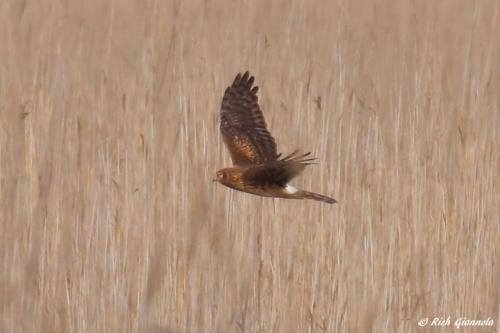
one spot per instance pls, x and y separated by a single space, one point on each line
109 141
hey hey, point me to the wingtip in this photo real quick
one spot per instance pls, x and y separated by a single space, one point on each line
237 79
246 81
250 82
245 76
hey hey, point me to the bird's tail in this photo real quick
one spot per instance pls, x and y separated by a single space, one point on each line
317 197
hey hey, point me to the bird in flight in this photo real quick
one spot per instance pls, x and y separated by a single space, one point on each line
258 169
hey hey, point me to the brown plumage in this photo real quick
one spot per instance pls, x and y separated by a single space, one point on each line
258 169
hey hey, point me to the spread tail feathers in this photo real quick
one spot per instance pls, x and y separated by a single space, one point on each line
318 197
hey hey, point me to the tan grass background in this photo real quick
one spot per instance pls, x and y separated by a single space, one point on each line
109 141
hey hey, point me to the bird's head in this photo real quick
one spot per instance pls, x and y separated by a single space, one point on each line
228 176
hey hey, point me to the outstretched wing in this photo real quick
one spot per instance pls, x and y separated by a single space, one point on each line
242 124
278 172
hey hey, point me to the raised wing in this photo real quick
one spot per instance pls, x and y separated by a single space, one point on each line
242 124
278 172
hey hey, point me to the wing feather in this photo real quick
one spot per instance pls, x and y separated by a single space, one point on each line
242 125
278 172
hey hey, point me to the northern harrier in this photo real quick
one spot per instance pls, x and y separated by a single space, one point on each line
258 169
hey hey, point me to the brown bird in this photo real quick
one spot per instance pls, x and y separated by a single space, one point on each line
258 169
